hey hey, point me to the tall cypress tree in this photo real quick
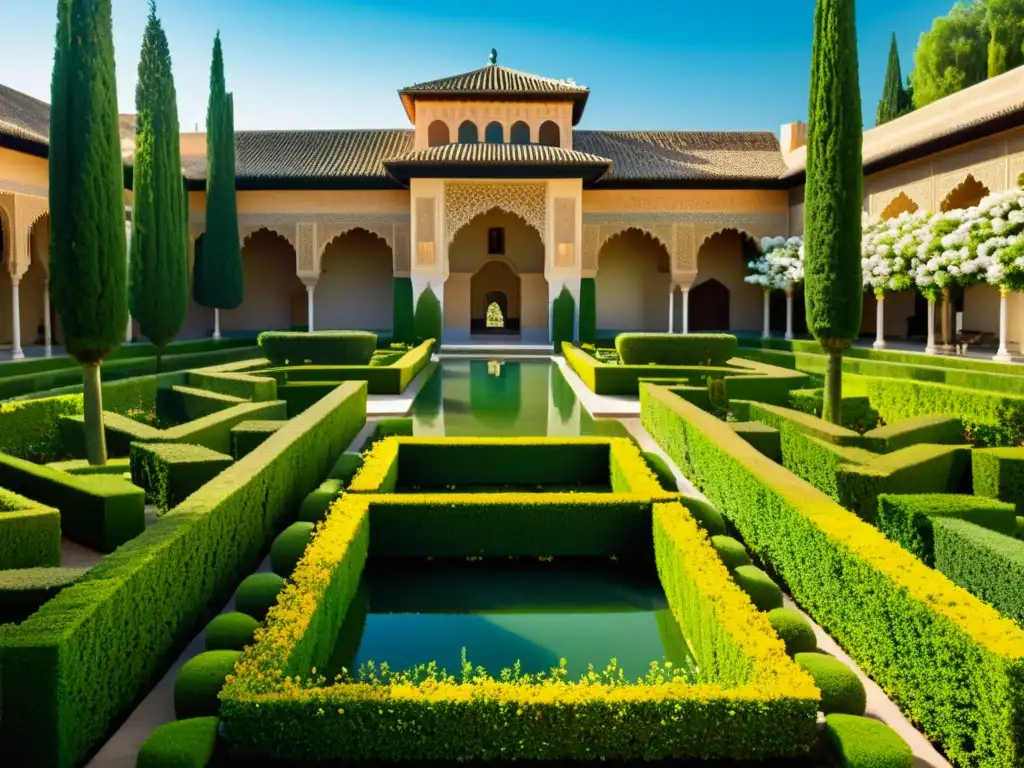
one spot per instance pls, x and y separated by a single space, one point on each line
89 275
832 209
895 100
159 249
218 279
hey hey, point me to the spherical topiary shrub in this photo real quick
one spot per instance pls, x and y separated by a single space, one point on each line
427 317
763 592
861 742
230 632
709 518
730 551
199 681
841 690
345 467
288 547
795 630
257 594
661 471
188 743
314 507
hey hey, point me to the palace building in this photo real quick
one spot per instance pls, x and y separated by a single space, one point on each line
493 196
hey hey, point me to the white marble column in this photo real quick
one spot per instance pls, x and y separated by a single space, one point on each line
766 315
789 313
47 329
216 323
17 353
879 321
1003 354
309 307
930 346
686 309
671 306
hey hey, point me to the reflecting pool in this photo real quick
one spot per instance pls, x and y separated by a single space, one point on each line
504 398
409 613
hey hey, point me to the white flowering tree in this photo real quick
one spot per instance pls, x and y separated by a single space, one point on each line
780 267
888 248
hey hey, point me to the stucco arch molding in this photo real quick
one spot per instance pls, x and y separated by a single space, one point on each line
18 215
464 202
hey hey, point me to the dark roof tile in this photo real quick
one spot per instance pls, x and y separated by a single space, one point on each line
23 117
506 154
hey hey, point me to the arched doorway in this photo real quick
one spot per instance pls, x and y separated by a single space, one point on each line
723 258
274 298
632 284
355 290
709 307
495 286
497 259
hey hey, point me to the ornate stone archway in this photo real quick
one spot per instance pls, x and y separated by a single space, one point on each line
464 202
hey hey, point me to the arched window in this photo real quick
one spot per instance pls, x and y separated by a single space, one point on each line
437 134
468 133
549 134
520 133
494 133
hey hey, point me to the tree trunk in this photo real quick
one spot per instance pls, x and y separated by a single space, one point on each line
95 440
832 408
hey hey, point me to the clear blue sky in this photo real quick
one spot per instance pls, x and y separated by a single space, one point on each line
682 65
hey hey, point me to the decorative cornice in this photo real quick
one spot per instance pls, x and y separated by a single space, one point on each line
19 188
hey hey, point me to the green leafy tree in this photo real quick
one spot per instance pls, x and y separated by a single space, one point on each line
428 316
218 280
88 260
588 311
1005 21
833 193
952 55
563 318
895 100
159 248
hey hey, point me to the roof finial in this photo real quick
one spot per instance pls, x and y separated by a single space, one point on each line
493 59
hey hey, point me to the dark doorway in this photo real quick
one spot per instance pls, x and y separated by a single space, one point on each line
777 312
709 307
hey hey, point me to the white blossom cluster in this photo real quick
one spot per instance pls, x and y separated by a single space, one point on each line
780 265
888 248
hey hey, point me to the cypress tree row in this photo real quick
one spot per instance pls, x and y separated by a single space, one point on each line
403 324
895 100
89 275
159 248
217 277
832 197
588 311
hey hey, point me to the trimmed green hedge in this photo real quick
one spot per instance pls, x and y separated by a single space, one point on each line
907 519
29 533
675 348
841 689
509 524
998 473
82 661
786 418
23 590
863 742
258 389
247 436
199 681
188 743
189 403
937 430
987 563
171 472
766 439
319 347
858 586
100 511
213 431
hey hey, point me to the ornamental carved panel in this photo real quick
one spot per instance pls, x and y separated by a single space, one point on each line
565 231
685 257
426 233
591 245
464 202
307 255
402 261
27 211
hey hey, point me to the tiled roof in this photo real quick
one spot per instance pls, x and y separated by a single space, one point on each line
668 156
22 117
317 154
496 81
516 157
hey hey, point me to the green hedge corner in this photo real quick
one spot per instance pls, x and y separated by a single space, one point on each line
230 631
794 629
762 591
709 518
257 594
842 691
730 551
24 590
861 742
661 471
288 547
675 348
315 506
171 472
345 467
190 743
199 682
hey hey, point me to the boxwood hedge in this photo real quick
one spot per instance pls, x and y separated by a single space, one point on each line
675 348
319 347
